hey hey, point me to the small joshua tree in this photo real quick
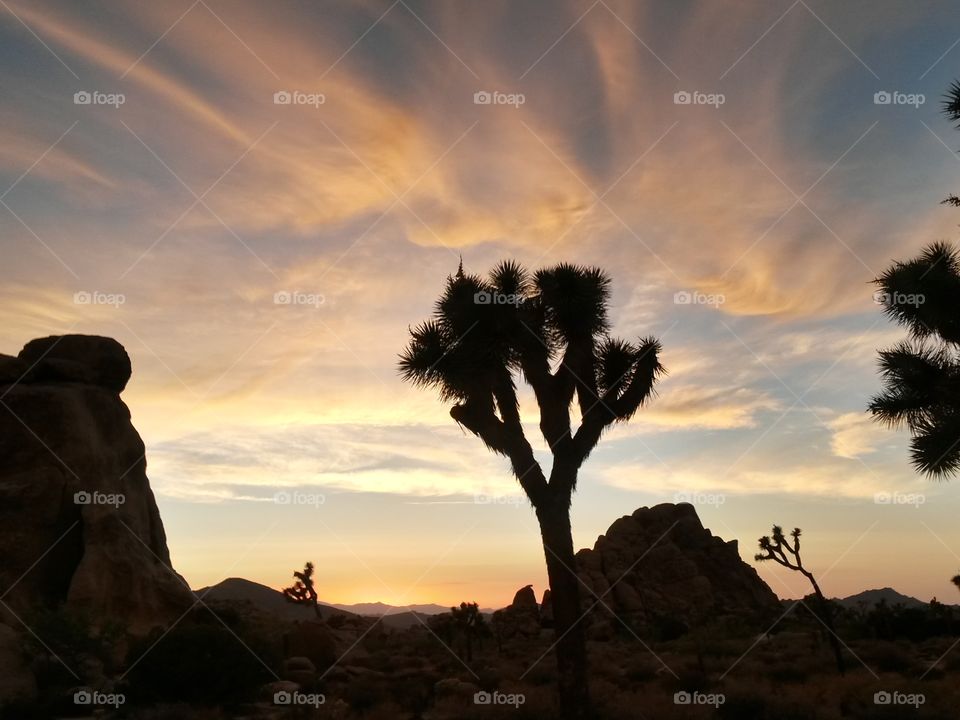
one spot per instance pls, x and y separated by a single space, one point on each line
302 591
467 621
786 553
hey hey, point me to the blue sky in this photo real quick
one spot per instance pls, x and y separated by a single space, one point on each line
198 198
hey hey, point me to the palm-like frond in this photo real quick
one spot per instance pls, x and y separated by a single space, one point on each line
924 294
921 379
575 301
951 102
935 445
918 382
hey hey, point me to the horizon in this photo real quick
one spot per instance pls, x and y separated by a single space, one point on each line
281 193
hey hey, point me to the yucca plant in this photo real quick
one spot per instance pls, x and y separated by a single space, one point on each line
551 329
785 552
921 375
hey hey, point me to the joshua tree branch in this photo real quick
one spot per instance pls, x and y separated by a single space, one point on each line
509 441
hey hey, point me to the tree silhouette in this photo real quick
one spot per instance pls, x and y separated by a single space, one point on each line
551 328
783 552
921 375
956 581
302 591
468 622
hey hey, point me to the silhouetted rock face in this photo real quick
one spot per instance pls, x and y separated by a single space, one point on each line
660 569
521 618
78 358
78 521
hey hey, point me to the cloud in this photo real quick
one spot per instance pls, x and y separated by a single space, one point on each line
856 434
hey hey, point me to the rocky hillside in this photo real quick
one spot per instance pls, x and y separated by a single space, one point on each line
78 523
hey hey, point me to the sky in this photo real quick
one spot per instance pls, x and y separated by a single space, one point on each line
259 198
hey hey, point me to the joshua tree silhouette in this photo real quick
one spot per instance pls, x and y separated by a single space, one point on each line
552 328
302 591
785 553
468 622
921 376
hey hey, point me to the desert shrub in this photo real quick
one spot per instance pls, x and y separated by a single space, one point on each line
199 662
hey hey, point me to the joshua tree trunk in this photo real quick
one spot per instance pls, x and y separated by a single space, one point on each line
571 649
827 614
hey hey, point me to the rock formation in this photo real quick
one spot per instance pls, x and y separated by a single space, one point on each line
659 569
79 526
520 619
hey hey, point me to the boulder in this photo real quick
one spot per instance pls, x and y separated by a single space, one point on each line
89 359
525 598
661 569
300 670
520 619
79 526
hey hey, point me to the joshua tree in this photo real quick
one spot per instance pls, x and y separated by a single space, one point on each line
785 553
302 592
467 620
922 374
550 327
956 581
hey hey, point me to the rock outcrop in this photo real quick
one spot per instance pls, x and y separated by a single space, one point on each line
659 569
520 619
79 526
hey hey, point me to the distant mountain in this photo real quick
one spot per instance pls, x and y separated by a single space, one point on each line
378 609
270 600
869 598
263 597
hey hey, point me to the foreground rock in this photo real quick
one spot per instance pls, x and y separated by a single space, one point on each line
660 571
79 526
